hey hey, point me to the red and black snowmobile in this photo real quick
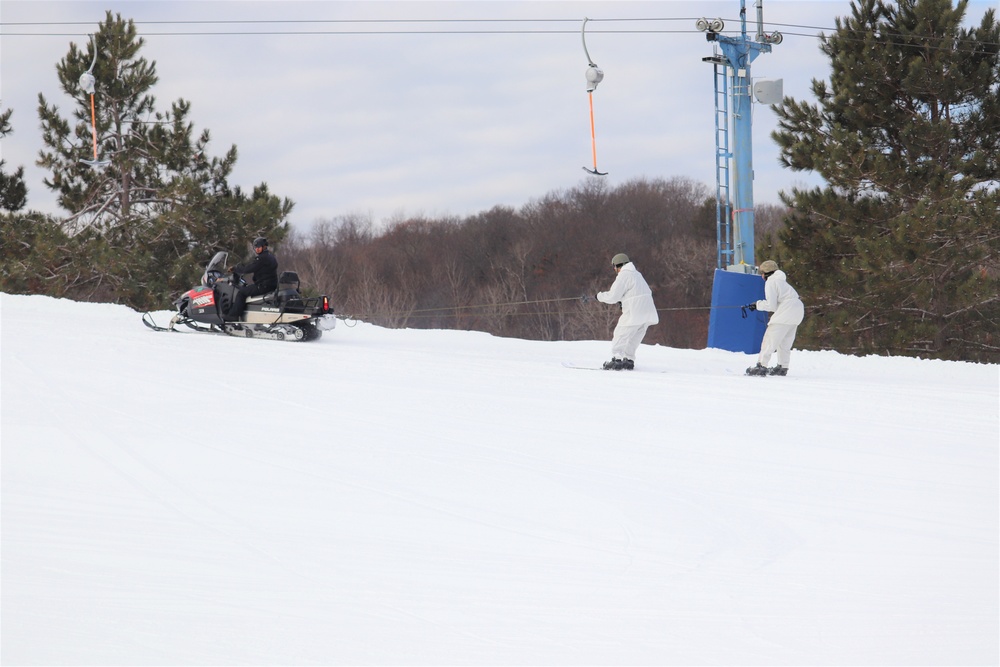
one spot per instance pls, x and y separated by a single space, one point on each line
283 314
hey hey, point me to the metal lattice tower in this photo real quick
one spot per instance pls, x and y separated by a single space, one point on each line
734 136
734 282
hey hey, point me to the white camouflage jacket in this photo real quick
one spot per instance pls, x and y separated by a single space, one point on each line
636 298
781 299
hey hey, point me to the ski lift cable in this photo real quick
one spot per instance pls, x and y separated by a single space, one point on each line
482 310
636 19
383 33
893 37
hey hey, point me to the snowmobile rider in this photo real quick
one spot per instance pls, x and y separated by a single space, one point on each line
638 312
787 310
264 267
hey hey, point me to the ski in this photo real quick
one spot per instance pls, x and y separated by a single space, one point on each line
569 364
743 373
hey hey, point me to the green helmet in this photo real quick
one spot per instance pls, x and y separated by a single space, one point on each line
619 259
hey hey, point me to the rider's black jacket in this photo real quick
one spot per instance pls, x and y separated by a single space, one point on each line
264 268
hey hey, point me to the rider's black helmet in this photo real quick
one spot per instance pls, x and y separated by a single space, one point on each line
260 242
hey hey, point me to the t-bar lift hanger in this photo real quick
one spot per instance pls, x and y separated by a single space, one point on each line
87 82
594 76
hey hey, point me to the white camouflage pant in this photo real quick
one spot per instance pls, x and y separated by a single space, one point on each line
777 338
626 340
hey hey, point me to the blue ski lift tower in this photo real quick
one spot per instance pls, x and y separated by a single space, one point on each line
736 282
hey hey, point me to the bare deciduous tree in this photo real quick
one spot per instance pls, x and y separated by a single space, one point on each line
522 272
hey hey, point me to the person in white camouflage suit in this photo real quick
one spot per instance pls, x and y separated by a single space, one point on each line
782 301
638 312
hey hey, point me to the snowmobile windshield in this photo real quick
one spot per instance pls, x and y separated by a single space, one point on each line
215 268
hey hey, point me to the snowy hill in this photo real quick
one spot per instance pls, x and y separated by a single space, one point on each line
442 497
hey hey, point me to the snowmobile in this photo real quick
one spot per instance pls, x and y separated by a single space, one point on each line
283 314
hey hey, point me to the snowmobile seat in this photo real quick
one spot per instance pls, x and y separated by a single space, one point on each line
288 286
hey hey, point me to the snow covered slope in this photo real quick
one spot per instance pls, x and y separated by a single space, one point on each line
443 497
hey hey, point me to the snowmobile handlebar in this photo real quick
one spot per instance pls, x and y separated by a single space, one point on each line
232 277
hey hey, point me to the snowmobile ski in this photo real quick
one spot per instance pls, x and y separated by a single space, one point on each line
147 319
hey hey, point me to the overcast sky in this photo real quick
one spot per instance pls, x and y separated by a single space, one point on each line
393 118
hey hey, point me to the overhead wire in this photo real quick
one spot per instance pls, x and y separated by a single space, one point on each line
279 21
827 32
483 310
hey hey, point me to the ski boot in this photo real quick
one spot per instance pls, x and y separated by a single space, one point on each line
614 365
758 370
778 370
628 365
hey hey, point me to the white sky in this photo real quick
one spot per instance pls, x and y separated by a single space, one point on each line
428 123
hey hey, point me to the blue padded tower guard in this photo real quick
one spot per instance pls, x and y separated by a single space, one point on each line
727 329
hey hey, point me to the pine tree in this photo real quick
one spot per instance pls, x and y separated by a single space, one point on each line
160 206
33 247
900 252
13 191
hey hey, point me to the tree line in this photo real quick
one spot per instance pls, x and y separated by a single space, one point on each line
525 273
138 227
899 253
